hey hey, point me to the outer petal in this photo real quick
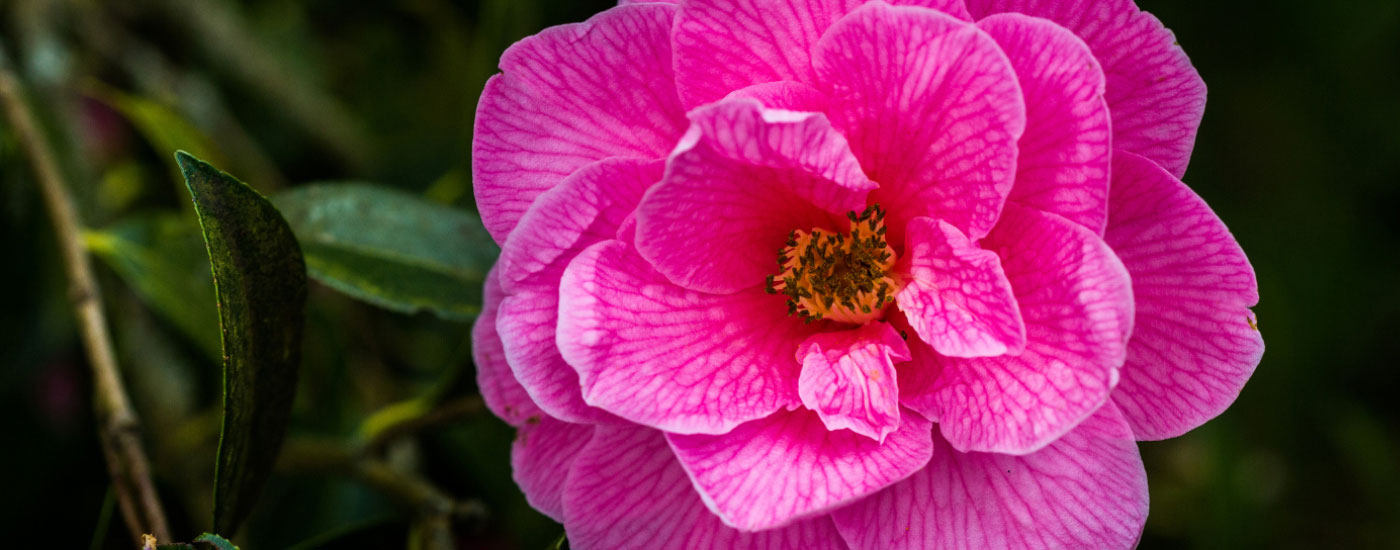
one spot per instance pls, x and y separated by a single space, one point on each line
587 207
1063 163
848 378
500 390
571 95
932 109
1156 97
1086 491
1076 300
724 45
540 458
768 472
1195 341
527 324
957 298
674 359
740 181
626 492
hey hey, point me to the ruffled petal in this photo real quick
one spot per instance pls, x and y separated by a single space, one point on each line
626 492
571 95
527 323
1062 167
675 359
740 181
540 458
932 109
499 389
770 472
724 45
1077 303
1155 96
1085 491
587 207
957 298
848 378
1195 342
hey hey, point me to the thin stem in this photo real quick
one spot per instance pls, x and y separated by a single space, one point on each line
117 423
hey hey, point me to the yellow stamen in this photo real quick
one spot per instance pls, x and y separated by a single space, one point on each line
835 276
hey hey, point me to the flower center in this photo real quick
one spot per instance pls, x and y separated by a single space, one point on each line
837 276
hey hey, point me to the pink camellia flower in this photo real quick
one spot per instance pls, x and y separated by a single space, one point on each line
815 274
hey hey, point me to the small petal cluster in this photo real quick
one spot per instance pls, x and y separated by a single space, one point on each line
989 283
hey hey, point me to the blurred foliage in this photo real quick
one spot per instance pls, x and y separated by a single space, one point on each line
1297 154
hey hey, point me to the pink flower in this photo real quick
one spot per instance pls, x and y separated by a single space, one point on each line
840 274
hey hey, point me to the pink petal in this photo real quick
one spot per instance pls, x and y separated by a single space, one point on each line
1087 491
957 298
784 94
848 378
1063 163
540 458
587 207
1077 303
932 109
626 492
724 45
739 182
503 395
1194 344
1154 94
527 324
571 95
674 359
770 472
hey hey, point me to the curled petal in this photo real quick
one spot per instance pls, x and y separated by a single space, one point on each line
848 378
502 393
773 471
540 459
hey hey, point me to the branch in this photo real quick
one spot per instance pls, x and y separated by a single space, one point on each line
118 427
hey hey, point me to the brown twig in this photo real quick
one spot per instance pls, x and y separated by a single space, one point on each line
117 423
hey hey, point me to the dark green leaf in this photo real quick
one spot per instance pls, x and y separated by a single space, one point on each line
216 541
260 280
391 248
176 546
162 257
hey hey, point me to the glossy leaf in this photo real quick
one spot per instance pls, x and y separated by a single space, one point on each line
260 281
391 248
161 256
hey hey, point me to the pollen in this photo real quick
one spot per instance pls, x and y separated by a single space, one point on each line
843 277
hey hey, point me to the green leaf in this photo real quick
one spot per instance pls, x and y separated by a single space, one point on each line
216 541
260 280
161 256
391 248
159 123
561 543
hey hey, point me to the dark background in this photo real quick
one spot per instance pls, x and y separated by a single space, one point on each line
1298 154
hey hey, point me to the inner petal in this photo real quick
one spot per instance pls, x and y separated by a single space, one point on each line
843 277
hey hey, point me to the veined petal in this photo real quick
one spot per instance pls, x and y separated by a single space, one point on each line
957 298
724 45
569 96
499 389
675 359
1155 96
1195 342
848 378
784 94
527 323
587 207
740 181
1077 304
932 109
1062 166
626 492
1085 491
540 458
770 472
